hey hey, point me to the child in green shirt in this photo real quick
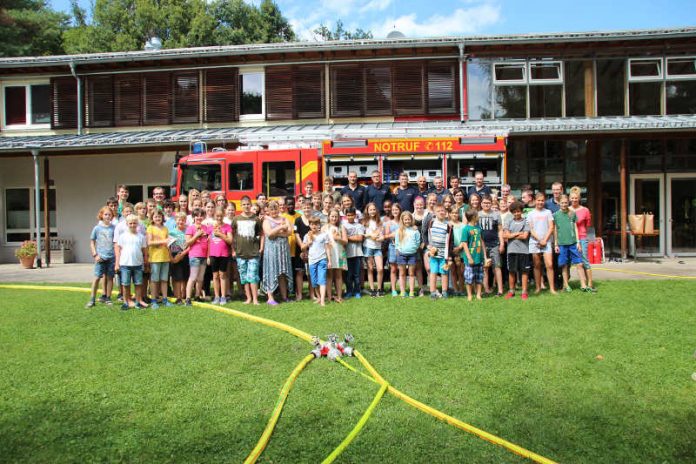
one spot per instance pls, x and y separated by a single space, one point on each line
567 246
474 255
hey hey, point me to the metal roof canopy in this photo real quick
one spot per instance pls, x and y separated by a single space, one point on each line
288 47
261 135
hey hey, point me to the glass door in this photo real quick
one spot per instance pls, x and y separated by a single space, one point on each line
681 214
647 196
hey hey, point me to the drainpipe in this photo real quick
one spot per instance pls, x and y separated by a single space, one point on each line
79 98
462 97
37 205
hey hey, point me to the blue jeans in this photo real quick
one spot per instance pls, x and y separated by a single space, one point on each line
353 280
131 272
317 273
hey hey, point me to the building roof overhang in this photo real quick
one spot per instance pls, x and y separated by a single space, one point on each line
279 50
316 133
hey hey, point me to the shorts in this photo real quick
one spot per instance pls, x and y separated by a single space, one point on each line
248 270
569 253
473 274
105 267
317 273
159 272
219 263
585 261
535 248
371 252
406 260
437 265
131 272
197 262
391 254
298 263
180 271
518 262
494 254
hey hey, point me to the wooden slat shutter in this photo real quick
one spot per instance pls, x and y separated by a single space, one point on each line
99 101
279 94
185 97
442 87
409 95
63 103
308 93
221 93
378 90
157 98
347 90
128 100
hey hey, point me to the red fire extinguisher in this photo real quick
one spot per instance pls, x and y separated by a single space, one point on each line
598 251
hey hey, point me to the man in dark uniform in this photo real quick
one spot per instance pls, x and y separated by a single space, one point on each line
377 192
355 191
405 194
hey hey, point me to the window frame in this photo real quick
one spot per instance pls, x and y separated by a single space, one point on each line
679 77
32 215
27 102
240 76
630 78
556 81
522 64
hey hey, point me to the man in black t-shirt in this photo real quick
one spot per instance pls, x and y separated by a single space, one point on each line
355 191
377 192
405 195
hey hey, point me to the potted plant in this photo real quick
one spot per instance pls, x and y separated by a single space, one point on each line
26 254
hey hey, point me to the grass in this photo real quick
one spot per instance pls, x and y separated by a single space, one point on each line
193 385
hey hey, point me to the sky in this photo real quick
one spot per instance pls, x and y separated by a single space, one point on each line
420 18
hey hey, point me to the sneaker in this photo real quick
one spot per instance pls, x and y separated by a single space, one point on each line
108 302
168 303
102 299
509 295
435 295
525 297
216 301
154 305
119 298
404 295
358 296
568 289
178 301
444 295
421 292
380 293
498 295
412 295
90 304
124 307
223 301
590 290
395 293
187 302
373 293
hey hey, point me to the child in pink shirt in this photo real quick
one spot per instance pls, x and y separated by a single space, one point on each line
197 241
220 240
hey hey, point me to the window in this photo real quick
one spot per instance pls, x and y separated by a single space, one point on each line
241 176
201 177
509 73
442 93
221 95
278 178
27 106
644 69
681 85
251 95
185 98
510 90
610 87
681 67
19 215
645 86
479 88
574 77
100 101
543 72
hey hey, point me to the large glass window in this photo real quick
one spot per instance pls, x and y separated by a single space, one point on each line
241 176
185 101
645 98
574 76
19 216
279 178
201 177
645 156
251 93
680 155
540 163
510 101
611 76
681 97
479 88
27 105
545 101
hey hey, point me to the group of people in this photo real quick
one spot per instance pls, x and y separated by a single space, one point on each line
441 241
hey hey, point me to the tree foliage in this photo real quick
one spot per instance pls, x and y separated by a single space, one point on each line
340 33
30 28
122 25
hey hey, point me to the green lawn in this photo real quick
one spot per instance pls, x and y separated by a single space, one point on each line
194 385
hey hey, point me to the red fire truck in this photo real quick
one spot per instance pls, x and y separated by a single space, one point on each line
282 172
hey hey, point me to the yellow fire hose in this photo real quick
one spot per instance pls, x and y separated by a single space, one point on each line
288 385
268 431
358 427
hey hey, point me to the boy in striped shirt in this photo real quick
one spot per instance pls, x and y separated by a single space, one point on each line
438 243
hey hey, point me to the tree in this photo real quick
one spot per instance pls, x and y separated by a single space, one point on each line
30 28
122 25
339 33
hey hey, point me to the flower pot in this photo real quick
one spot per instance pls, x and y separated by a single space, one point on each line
27 261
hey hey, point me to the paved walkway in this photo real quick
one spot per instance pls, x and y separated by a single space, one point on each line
667 268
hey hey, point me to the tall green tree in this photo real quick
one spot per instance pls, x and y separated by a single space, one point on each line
340 33
122 25
30 28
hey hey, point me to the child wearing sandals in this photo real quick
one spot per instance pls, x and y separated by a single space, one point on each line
219 255
131 257
197 242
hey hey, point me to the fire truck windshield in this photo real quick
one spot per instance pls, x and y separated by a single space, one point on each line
201 177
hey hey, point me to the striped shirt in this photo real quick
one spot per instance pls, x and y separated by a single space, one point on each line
438 237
